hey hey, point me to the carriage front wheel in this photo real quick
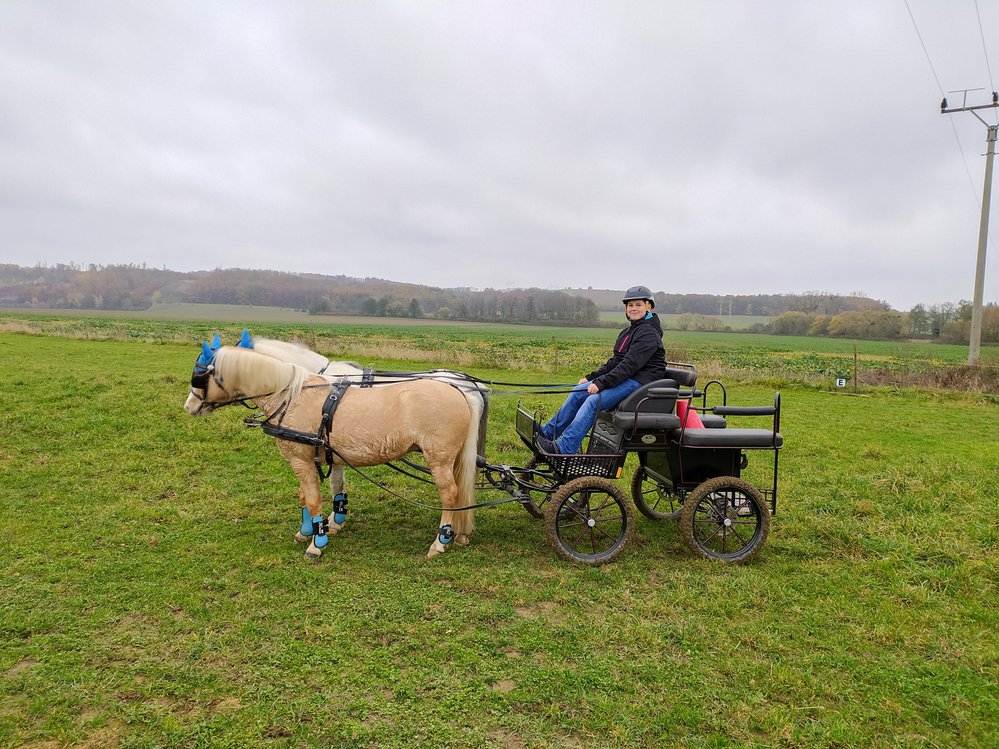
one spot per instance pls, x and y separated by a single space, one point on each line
726 519
589 520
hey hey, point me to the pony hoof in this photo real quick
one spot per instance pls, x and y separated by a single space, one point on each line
436 548
335 528
300 538
462 539
313 553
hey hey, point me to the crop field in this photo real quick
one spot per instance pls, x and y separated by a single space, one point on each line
778 360
735 322
152 595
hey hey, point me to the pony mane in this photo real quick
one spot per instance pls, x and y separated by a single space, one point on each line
296 353
258 374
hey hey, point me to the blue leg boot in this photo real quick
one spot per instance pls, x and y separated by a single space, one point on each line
339 512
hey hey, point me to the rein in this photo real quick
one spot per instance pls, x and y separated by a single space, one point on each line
464 382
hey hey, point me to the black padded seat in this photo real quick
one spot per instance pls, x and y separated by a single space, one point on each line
731 438
645 420
648 409
712 421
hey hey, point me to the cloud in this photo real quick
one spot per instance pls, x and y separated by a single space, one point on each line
713 147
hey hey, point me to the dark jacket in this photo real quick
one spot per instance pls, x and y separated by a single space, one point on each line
638 354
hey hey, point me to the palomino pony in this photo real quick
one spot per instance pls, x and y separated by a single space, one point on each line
476 394
370 426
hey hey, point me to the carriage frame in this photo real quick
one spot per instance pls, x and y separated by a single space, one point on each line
693 475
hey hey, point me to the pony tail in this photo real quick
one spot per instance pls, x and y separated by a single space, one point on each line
465 469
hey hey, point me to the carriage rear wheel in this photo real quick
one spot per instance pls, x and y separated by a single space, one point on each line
589 520
726 519
536 504
653 498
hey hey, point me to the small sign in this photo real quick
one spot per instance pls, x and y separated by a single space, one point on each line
841 382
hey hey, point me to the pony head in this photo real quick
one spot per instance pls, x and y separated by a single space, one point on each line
245 341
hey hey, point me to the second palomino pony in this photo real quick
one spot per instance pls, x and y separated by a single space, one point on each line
475 393
371 426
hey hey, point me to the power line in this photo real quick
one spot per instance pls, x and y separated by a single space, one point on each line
953 127
985 49
923 44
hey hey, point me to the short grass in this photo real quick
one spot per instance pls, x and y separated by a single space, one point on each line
151 594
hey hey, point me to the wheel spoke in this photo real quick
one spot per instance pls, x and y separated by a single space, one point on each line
735 533
598 527
705 540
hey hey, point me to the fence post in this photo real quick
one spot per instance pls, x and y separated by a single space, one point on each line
855 365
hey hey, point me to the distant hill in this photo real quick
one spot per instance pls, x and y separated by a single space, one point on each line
135 288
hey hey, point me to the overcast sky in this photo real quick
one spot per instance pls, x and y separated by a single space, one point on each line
717 147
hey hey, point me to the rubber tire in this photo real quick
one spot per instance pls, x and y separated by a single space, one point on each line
553 523
638 495
758 506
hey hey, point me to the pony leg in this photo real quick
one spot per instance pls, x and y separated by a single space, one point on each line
338 488
448 489
312 512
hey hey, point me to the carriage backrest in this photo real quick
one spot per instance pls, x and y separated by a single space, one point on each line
677 375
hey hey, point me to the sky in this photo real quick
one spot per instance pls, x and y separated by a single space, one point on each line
694 147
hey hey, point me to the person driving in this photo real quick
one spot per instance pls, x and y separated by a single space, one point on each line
638 359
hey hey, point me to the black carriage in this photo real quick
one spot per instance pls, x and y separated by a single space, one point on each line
690 474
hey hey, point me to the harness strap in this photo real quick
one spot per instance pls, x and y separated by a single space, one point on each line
367 377
337 389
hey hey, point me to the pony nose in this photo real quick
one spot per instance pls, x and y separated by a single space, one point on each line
193 404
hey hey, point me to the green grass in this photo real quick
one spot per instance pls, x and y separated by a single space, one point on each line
151 594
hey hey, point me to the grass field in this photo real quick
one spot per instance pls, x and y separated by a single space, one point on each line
152 596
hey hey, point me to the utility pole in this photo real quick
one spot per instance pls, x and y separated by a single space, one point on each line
975 341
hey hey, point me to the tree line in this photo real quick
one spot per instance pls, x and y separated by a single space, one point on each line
947 322
137 287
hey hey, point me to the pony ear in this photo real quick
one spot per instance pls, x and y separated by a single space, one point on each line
207 354
246 341
216 342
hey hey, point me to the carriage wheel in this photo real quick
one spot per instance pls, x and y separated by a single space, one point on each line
536 504
725 518
589 520
654 499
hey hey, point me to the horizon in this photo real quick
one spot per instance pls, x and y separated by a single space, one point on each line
84 267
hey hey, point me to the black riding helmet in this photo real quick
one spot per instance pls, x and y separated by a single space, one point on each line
639 292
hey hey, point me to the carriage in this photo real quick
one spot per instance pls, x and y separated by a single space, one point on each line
693 474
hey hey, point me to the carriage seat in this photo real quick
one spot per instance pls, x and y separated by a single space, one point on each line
652 406
712 421
747 439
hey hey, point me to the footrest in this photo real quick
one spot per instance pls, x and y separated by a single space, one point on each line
750 439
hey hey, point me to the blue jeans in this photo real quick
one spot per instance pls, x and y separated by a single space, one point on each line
575 419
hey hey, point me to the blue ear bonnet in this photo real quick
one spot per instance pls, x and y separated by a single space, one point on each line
207 355
205 359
